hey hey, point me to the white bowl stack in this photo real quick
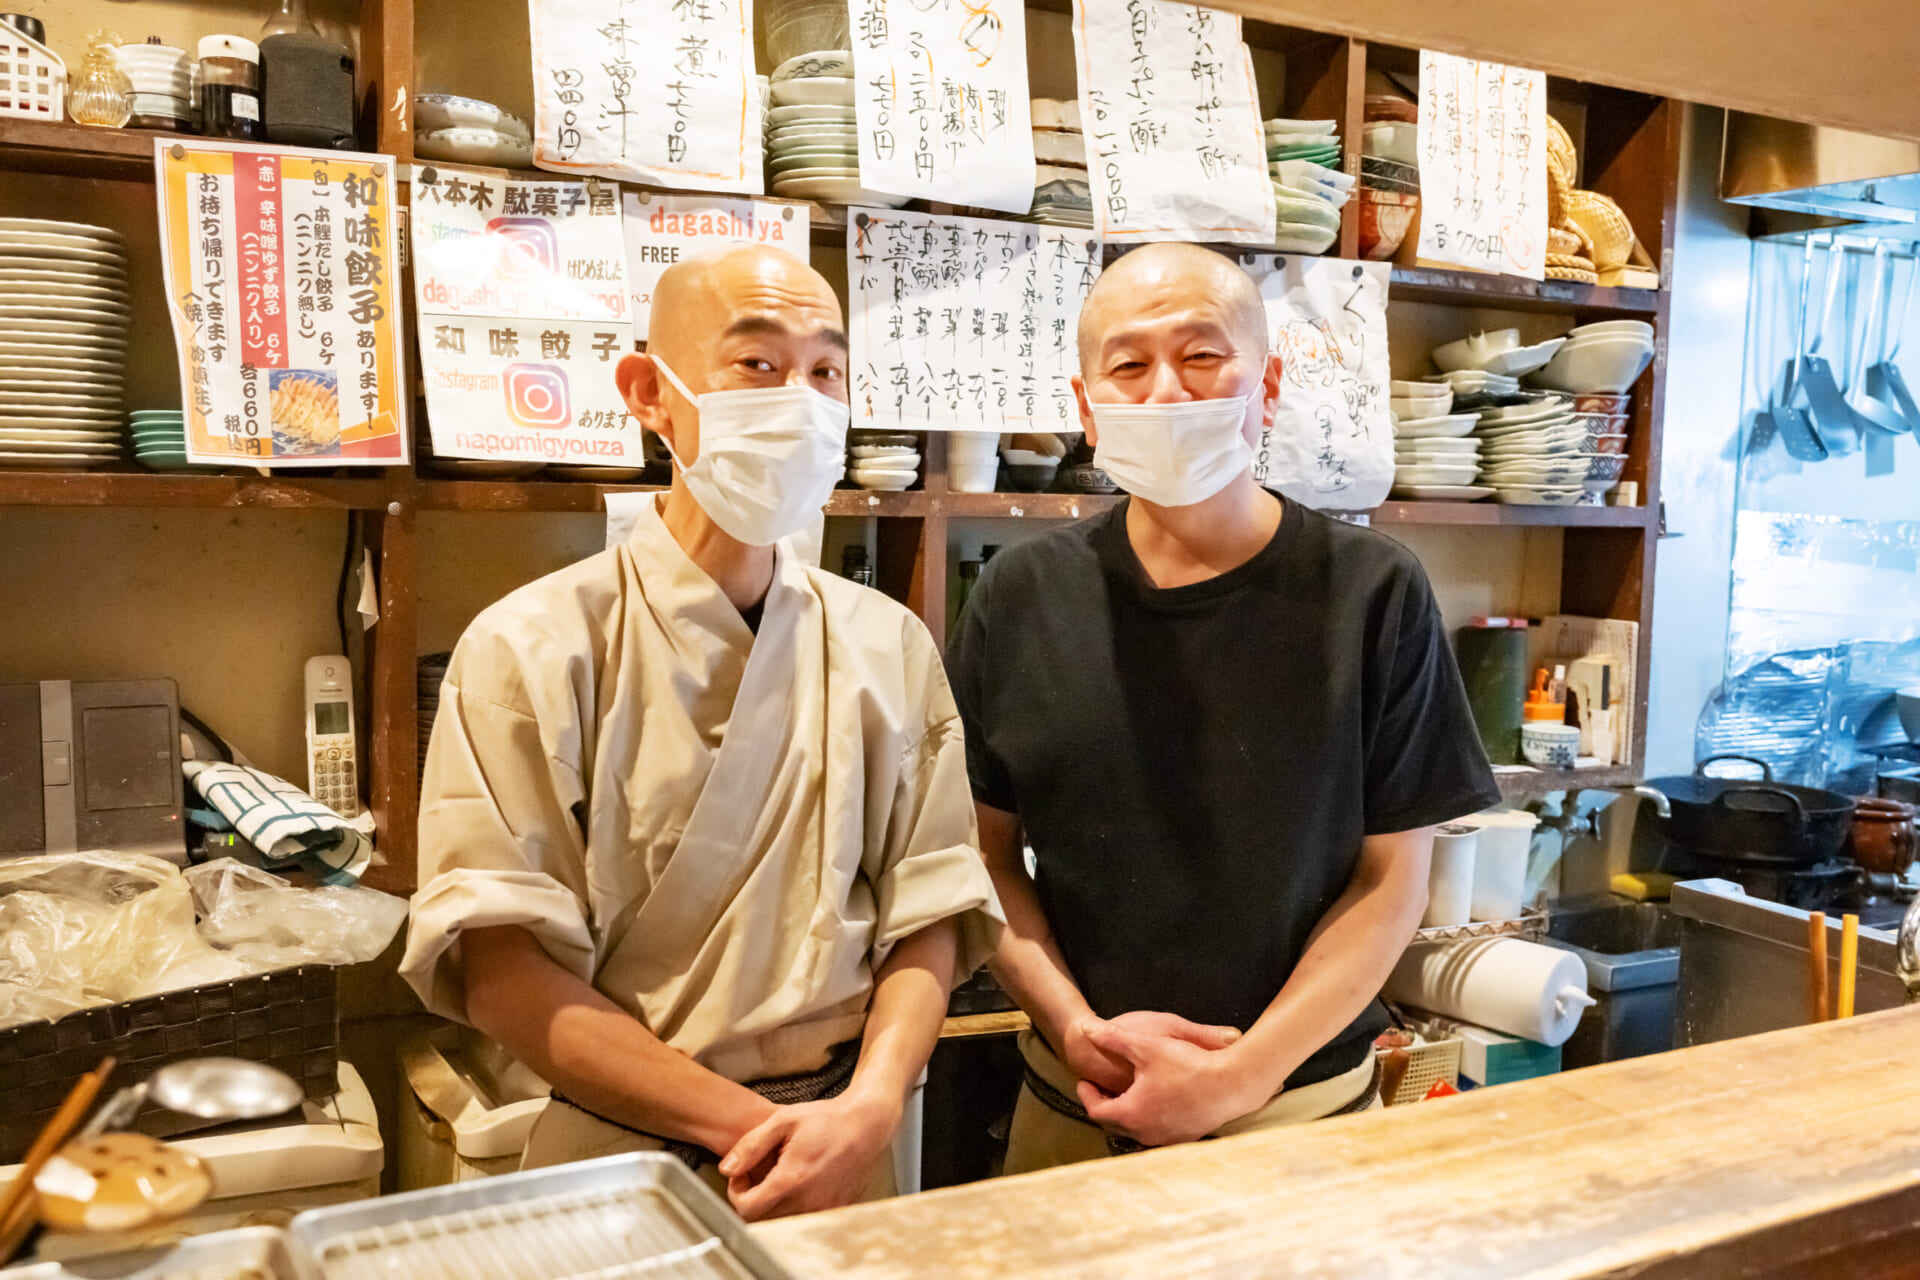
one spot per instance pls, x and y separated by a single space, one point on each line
162 80
1309 188
813 140
63 343
884 460
1435 459
468 131
1599 359
1062 195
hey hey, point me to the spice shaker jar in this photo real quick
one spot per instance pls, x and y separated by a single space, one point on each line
230 89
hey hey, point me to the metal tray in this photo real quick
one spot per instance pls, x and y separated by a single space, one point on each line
251 1253
642 1215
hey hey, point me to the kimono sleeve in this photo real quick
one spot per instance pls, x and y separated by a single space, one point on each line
930 865
499 844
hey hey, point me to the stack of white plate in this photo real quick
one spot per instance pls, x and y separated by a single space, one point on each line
1535 453
63 343
883 460
1477 389
813 140
1435 459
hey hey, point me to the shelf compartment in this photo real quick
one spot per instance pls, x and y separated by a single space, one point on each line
78 150
1512 293
1395 514
121 489
1519 784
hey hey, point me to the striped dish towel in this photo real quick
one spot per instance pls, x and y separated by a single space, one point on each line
282 821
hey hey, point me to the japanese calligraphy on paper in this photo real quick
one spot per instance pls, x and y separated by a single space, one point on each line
964 324
524 312
662 230
1483 165
940 93
282 283
1331 443
655 91
1175 150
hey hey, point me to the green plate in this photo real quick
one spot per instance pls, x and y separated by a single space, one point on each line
814 159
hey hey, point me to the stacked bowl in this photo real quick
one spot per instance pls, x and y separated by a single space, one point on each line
63 343
159 439
1309 188
883 460
1599 359
162 80
1061 194
813 141
1434 456
468 131
1389 175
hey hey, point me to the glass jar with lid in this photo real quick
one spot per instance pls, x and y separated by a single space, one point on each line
230 89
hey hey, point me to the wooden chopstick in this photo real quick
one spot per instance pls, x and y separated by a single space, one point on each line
1817 963
1849 964
17 1201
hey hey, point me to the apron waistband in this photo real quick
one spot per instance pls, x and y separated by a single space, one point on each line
1061 1104
829 1081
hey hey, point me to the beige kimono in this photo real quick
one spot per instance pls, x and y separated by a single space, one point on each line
724 833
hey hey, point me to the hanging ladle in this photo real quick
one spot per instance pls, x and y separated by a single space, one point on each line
1817 387
1782 418
1884 382
1873 339
113 1181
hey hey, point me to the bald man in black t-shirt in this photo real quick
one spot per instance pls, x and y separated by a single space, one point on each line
1227 725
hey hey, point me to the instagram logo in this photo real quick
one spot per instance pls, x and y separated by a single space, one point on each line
528 247
537 395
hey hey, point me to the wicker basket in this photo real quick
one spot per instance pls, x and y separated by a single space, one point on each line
1606 226
1430 1061
33 79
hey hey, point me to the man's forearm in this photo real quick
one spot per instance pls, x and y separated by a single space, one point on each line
1346 962
1028 964
910 993
593 1051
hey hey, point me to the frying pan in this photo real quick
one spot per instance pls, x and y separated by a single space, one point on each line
1761 822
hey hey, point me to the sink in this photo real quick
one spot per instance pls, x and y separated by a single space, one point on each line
1631 951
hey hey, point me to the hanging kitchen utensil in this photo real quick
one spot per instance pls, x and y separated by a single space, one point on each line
1818 389
1871 411
1794 428
1884 381
1765 822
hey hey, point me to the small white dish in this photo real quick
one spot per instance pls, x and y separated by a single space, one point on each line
1053 147
797 115
1524 360
1434 475
1473 351
1466 445
886 481
433 112
862 451
830 63
812 91
54 461
1464 381
64 444
490 147
909 465
1604 365
827 172
1636 328
1452 424
1317 128
47 226
1526 496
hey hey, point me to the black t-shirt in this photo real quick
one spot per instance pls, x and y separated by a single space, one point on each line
1195 766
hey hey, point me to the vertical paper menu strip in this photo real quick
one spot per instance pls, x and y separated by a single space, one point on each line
1175 150
1483 165
657 92
282 278
524 312
941 101
663 229
964 324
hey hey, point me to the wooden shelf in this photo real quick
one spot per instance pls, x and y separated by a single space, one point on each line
79 150
1526 783
284 491
1393 514
1511 293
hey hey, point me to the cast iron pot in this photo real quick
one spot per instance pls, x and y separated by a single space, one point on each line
1762 821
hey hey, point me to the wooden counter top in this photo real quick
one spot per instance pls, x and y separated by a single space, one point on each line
1748 1157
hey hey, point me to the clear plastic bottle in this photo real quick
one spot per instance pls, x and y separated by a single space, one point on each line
101 94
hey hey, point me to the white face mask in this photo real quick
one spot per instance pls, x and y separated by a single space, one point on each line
769 457
1173 455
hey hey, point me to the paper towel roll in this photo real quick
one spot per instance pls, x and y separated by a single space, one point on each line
1506 984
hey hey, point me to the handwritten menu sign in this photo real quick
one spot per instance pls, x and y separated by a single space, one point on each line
965 324
941 101
524 312
1175 149
661 230
661 93
1483 165
282 282
1331 443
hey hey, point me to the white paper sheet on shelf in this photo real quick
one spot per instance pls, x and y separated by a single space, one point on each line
664 229
1483 165
661 93
940 88
1331 443
524 312
1175 149
964 324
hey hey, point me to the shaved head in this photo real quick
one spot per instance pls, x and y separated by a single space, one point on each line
702 296
1164 272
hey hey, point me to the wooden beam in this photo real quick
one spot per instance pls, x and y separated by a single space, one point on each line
1764 1153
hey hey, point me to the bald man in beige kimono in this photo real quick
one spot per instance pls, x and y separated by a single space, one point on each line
696 838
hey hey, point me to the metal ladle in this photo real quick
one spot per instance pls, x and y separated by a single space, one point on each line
210 1088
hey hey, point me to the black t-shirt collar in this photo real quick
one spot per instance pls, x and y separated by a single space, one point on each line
1123 567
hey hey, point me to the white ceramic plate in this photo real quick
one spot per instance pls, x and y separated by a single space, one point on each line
909 464
830 172
31 244
11 290
74 419
1523 360
18 264
1470 380
106 334
813 91
88 359
1434 475
888 481
834 191
796 115
436 111
54 461
44 226
829 63
10 436
814 160
61 444
1452 424
95 309
790 139
1441 492
494 147
1523 496
1513 415
14 371
885 451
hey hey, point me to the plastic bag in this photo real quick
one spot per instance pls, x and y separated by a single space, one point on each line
82 929
265 923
